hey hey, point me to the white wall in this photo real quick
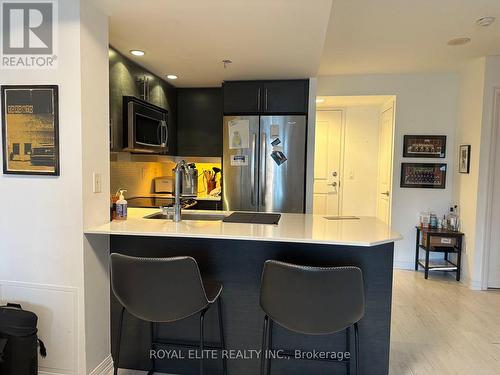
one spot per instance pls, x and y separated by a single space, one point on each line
469 132
478 80
95 159
426 104
360 170
41 225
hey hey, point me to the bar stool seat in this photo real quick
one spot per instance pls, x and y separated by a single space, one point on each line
311 301
164 290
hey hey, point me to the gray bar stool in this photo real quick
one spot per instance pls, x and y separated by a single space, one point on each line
311 301
163 290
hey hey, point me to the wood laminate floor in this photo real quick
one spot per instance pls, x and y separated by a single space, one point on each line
440 327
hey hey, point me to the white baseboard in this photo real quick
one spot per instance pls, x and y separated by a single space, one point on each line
475 285
104 368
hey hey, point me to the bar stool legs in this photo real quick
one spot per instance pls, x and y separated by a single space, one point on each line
356 347
153 346
153 340
263 352
117 353
269 343
202 338
221 336
267 337
348 347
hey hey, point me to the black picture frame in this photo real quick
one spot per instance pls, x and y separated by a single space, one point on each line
424 146
39 106
423 175
464 159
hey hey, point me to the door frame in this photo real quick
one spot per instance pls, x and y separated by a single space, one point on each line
495 129
385 107
342 111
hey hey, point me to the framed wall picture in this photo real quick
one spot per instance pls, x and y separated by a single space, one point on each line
424 146
464 159
30 130
423 175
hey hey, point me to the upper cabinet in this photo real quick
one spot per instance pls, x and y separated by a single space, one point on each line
242 96
273 97
199 122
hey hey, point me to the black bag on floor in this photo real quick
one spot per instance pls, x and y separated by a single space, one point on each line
18 341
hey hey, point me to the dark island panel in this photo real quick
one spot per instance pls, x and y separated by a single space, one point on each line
238 265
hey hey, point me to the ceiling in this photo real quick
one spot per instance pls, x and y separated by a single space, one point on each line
402 36
265 39
273 39
352 101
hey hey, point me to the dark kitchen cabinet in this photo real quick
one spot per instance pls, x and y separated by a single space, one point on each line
199 122
273 97
286 96
242 96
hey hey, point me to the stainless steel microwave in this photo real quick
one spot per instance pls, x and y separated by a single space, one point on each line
145 127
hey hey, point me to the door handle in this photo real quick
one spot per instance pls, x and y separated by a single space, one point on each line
258 99
385 193
253 166
263 154
333 184
266 98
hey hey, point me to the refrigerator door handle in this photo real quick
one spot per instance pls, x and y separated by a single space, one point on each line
263 161
254 167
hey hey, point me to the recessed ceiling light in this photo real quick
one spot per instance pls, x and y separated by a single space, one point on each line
459 41
485 21
137 52
320 100
171 76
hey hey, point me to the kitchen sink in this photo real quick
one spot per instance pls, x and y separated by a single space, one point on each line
188 216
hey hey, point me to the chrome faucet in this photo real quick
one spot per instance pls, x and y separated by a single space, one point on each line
179 170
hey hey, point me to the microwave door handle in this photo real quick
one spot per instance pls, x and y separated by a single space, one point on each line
159 134
165 129
164 133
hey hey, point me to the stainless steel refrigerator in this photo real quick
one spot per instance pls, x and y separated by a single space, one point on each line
264 163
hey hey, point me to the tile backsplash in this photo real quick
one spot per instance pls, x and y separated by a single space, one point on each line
137 177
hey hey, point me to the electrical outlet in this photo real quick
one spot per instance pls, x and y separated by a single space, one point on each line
97 182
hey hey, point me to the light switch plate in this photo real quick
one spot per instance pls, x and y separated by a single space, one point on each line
97 183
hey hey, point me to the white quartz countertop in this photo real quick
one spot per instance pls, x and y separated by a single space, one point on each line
302 228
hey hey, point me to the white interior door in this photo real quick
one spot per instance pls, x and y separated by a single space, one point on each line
494 243
327 162
386 141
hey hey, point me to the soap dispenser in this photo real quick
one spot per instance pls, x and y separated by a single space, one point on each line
121 207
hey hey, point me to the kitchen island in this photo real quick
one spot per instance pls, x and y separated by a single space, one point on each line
234 255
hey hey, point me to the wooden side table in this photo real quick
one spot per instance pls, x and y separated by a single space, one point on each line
442 241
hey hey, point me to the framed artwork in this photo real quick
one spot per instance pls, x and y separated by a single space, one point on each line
423 175
30 130
464 159
424 146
